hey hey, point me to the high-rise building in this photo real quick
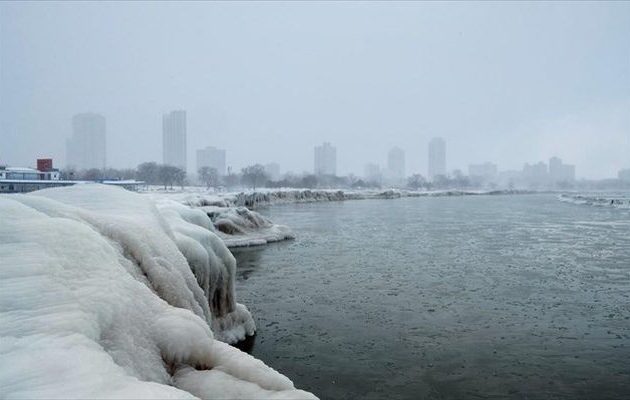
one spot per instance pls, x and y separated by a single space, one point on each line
396 165
437 157
372 173
325 159
536 172
174 139
213 158
86 149
560 172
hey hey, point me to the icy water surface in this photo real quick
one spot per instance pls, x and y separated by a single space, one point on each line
522 297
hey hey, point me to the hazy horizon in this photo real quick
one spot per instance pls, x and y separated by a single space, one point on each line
501 82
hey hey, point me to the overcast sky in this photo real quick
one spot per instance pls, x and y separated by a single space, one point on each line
502 82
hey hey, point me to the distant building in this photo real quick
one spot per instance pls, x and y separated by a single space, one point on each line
44 164
86 149
325 162
174 139
46 170
559 172
536 173
624 175
273 171
23 179
213 158
437 157
396 165
486 170
372 173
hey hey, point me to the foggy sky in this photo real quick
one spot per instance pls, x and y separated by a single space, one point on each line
508 83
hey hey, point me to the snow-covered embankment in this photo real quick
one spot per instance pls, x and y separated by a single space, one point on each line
103 295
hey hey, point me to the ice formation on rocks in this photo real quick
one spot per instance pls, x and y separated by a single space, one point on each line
613 200
239 226
104 295
267 197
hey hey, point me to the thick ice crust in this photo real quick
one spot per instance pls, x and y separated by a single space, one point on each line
98 299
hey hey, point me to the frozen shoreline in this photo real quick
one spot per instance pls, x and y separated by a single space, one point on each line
239 225
137 300
197 197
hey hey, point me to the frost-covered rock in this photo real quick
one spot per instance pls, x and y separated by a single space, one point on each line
267 197
239 226
103 295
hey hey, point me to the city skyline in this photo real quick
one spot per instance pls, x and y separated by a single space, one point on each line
479 78
89 132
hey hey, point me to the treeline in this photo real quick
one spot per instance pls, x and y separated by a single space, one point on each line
149 172
254 176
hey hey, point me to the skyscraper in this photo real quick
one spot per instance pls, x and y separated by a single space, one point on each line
213 158
325 159
86 148
174 138
396 165
560 172
437 157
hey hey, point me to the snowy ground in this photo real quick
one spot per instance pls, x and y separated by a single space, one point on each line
103 294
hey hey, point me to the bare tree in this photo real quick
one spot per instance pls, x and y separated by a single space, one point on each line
254 175
93 174
209 176
169 174
179 176
416 181
149 172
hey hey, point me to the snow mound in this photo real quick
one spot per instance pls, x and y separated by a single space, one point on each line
240 227
102 295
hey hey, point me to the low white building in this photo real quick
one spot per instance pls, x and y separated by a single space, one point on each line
28 174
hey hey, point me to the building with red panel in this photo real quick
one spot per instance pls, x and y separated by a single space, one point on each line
44 164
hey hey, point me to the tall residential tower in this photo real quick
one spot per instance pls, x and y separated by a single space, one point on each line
396 166
437 157
325 160
174 138
87 147
213 158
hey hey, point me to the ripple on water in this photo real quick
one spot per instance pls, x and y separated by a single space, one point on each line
485 296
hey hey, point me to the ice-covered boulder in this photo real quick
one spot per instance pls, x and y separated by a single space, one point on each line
98 299
239 226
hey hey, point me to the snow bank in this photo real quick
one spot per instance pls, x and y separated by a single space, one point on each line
103 295
239 226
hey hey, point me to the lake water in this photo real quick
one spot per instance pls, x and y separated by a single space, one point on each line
520 297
